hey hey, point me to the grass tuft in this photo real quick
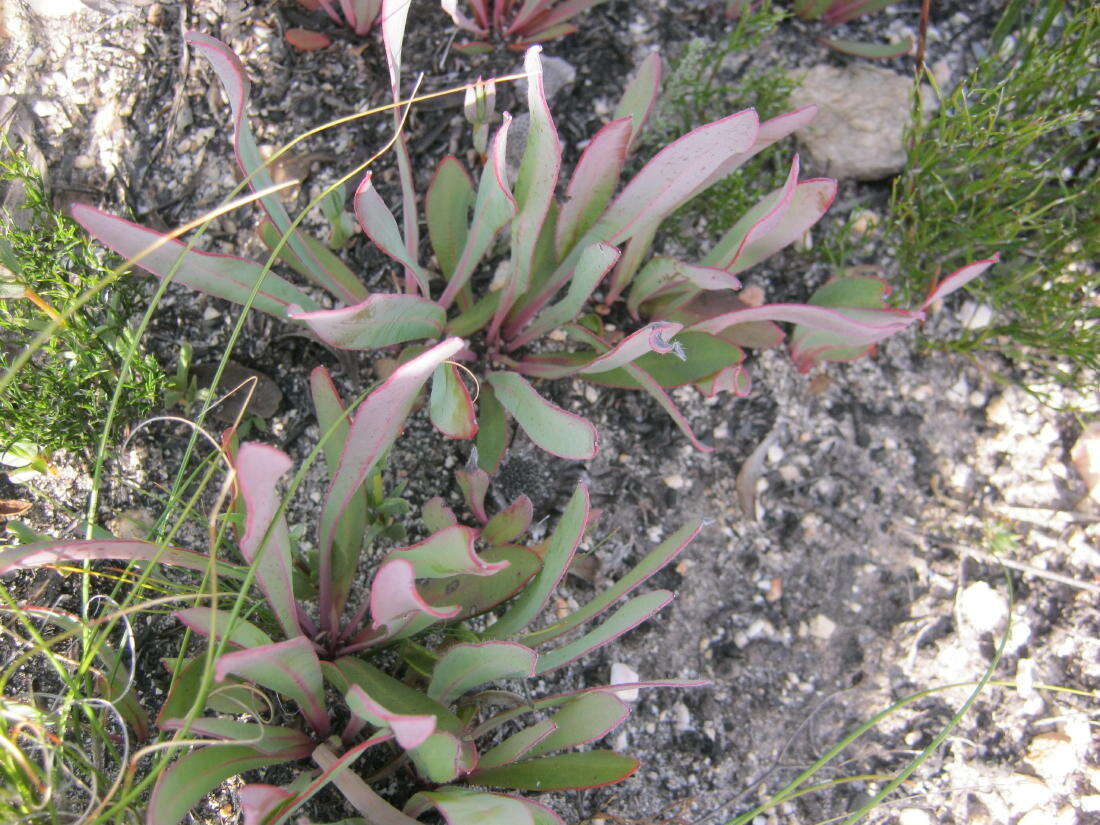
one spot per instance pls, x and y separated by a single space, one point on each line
46 263
1009 164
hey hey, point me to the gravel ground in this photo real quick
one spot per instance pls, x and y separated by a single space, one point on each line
847 564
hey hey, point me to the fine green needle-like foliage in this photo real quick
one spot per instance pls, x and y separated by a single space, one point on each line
1009 163
46 263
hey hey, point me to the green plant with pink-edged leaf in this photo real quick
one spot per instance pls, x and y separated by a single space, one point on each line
405 656
558 261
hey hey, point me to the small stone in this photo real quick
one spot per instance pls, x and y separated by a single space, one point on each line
982 609
622 674
973 315
914 816
83 162
675 481
1053 756
1086 459
557 74
859 131
131 524
821 627
55 8
681 717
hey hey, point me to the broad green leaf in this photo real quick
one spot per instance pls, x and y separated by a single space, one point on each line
393 693
844 12
265 542
655 560
449 552
734 380
206 619
534 190
447 211
769 133
510 523
674 175
379 225
560 550
565 771
958 279
290 668
190 778
53 552
409 731
587 718
357 792
268 805
755 223
441 758
492 434
227 66
329 408
595 262
873 51
396 607
233 698
270 236
810 200
495 206
706 354
223 276
465 666
593 183
436 515
374 428
449 406
661 273
474 485
857 326
548 425
465 806
476 317
627 617
382 320
516 746
640 94
654 337
478 594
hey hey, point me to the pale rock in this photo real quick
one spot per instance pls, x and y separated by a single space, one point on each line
622 674
821 627
681 717
982 609
973 315
55 8
676 482
1090 804
1026 793
131 524
914 816
557 74
1053 756
1086 459
859 131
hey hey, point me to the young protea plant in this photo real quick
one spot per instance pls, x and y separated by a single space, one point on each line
411 693
357 15
520 24
563 258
